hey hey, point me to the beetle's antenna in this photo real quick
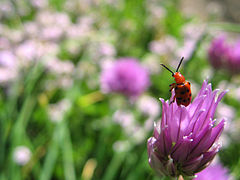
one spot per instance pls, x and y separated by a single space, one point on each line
179 64
167 69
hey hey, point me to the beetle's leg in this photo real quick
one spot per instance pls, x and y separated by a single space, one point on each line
173 85
172 101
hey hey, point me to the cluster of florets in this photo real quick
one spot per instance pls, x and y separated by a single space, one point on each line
186 140
225 56
125 76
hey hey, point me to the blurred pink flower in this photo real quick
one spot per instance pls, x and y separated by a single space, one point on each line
31 29
82 29
218 52
6 9
57 111
233 62
224 55
186 139
51 33
7 75
148 106
28 50
4 42
125 76
213 172
163 46
56 66
39 3
21 155
7 59
107 49
8 66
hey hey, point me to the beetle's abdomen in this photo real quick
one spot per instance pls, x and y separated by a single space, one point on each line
183 93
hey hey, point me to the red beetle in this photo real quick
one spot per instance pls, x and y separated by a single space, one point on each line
182 87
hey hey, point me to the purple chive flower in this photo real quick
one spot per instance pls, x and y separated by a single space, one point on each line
233 62
125 76
218 52
224 55
186 139
213 172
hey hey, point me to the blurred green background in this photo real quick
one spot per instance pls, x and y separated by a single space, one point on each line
55 123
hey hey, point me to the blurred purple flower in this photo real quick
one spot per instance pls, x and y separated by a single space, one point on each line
125 76
7 59
218 52
223 55
233 62
107 49
216 171
51 33
186 139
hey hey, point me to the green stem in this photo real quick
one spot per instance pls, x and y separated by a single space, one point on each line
236 171
18 132
69 171
226 26
114 166
137 171
52 155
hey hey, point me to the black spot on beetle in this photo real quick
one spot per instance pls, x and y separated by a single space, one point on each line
184 100
188 99
187 90
179 99
183 92
190 94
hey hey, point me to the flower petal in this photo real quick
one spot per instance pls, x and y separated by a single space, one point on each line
214 105
194 121
182 149
190 167
164 113
153 160
203 88
199 141
207 157
171 168
196 105
216 131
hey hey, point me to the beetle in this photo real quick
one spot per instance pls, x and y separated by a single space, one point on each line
182 87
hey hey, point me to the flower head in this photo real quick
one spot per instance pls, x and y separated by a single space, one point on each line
21 155
225 56
57 111
234 58
186 139
125 76
218 52
148 106
216 171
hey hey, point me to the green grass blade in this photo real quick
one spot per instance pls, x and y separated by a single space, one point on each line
67 152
